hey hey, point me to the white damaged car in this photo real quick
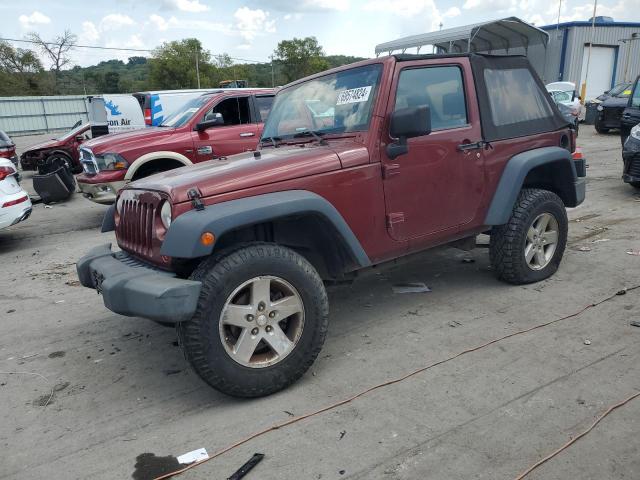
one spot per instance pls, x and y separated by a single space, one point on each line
15 204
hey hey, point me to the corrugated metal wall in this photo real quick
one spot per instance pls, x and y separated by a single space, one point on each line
605 36
549 66
27 115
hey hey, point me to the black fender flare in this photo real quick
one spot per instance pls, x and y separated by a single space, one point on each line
516 171
183 237
109 219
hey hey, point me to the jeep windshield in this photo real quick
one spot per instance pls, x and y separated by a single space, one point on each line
340 102
185 113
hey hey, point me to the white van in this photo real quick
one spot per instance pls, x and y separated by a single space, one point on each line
123 112
114 113
158 105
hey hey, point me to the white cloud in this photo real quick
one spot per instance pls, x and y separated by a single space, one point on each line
89 33
251 23
426 9
36 18
244 46
340 5
452 12
488 5
159 22
192 6
115 21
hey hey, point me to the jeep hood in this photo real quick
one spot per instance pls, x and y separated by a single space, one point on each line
121 142
246 170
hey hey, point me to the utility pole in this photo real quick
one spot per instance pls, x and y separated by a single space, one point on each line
583 90
197 64
273 76
559 10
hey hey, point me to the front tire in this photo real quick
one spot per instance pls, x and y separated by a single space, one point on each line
529 247
261 320
600 128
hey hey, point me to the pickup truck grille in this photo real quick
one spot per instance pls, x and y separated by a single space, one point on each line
89 164
136 229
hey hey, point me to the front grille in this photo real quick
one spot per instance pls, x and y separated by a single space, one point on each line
613 114
88 161
136 226
634 166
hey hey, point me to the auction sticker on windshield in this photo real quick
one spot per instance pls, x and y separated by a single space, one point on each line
354 95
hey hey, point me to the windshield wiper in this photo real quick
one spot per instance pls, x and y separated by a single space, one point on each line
274 141
312 133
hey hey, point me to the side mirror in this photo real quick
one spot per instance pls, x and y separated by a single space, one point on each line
79 138
407 123
210 121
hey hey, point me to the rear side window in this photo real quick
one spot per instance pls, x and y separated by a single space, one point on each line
263 105
514 97
440 88
235 111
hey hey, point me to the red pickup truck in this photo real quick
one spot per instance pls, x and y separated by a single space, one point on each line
211 126
357 166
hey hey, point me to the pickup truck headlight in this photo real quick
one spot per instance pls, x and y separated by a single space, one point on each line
111 161
165 214
635 132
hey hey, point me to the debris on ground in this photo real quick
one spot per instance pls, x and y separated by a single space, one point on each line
635 253
468 260
587 342
415 287
342 434
194 456
599 240
247 467
584 249
635 323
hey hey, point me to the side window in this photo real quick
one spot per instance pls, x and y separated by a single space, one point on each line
235 111
515 97
263 105
440 88
635 100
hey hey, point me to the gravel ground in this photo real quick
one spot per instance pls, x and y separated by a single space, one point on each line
96 390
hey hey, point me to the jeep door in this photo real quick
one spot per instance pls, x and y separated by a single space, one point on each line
437 186
631 115
238 134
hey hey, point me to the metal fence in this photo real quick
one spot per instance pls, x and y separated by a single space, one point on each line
30 115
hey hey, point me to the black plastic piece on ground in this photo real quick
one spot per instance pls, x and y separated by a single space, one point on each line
247 467
55 186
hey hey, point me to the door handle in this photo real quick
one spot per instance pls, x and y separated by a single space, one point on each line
247 134
464 147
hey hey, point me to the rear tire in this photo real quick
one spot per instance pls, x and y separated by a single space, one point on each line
529 247
600 128
230 312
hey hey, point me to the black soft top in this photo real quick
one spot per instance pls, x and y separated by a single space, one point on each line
513 100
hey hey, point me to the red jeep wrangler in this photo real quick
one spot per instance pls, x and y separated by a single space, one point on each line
215 125
358 166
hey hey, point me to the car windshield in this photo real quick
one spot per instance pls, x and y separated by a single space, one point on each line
621 90
185 113
335 103
73 132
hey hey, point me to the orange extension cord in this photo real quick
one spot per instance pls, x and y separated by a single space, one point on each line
333 406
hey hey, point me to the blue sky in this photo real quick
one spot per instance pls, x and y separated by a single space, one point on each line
251 29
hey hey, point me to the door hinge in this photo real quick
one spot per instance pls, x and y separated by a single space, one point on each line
394 218
390 170
196 199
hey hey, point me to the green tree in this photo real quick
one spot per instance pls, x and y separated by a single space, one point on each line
300 57
173 65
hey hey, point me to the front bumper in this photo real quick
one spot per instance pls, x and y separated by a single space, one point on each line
103 193
631 159
134 289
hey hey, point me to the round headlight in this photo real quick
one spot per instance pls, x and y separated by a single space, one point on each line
635 132
600 108
165 214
